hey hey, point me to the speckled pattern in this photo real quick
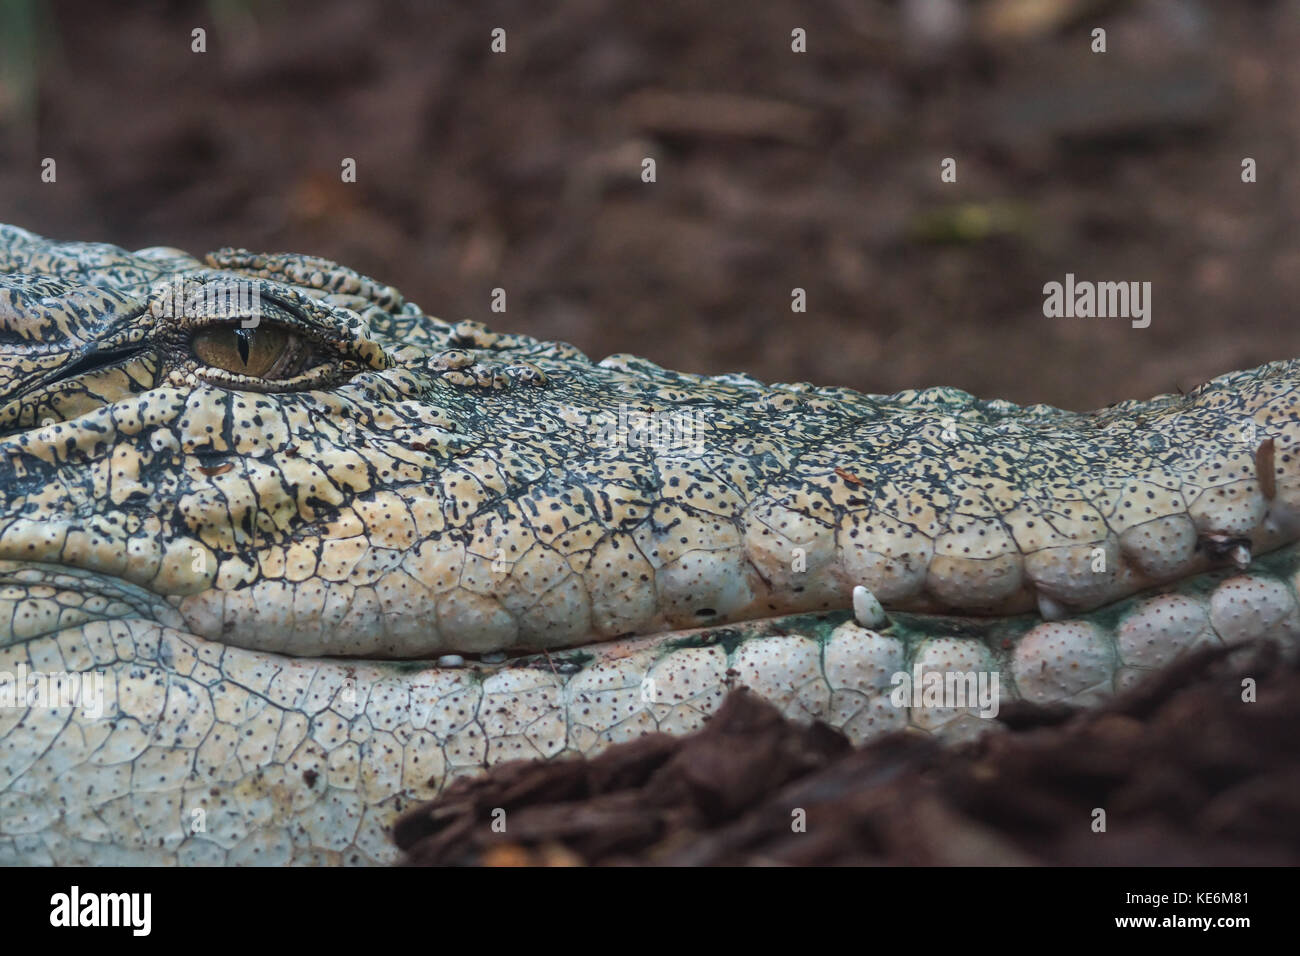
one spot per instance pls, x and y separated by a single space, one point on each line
265 570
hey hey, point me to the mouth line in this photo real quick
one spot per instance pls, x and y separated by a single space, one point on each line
93 596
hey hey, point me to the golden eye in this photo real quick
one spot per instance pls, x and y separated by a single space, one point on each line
264 352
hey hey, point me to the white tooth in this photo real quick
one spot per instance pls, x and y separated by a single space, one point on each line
1241 557
866 609
1050 608
451 660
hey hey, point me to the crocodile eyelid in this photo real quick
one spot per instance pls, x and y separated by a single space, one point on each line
317 377
311 272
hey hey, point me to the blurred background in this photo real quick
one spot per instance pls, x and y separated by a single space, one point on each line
775 170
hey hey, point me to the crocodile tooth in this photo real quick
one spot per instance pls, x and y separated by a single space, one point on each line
867 610
1241 556
1050 608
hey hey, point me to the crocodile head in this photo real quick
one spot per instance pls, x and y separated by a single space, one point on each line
260 494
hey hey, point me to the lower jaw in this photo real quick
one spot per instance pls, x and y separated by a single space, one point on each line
310 760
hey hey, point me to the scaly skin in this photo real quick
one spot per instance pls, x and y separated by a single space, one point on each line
265 571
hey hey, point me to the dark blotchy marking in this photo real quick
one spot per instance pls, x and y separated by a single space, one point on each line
1264 469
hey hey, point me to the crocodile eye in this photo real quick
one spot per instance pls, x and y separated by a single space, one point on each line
266 352
260 341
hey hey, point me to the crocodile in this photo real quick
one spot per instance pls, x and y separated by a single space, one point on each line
281 554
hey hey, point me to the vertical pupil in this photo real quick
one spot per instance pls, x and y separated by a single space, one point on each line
243 338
